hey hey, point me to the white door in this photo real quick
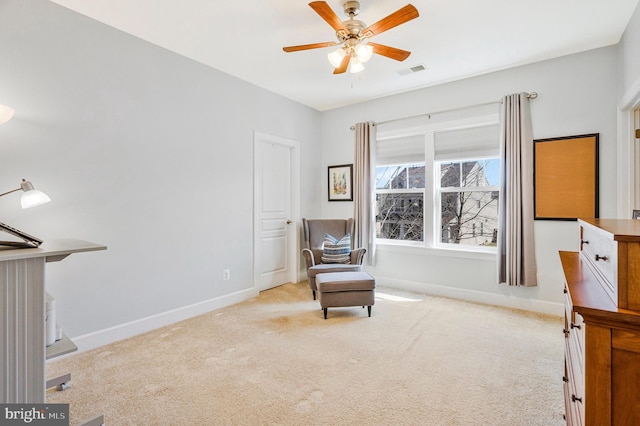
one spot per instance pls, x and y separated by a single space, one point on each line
275 220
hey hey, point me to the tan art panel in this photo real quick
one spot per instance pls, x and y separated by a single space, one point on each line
566 177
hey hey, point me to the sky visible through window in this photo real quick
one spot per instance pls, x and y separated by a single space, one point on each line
384 175
492 172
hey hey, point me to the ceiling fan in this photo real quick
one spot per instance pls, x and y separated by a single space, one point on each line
353 36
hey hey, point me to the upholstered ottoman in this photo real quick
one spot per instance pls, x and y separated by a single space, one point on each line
324 268
339 289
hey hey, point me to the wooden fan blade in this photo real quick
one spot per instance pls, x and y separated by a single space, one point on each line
398 17
390 52
343 65
326 13
308 46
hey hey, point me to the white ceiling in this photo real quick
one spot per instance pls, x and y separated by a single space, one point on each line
453 39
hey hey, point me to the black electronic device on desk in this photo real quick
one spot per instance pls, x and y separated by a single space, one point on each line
29 240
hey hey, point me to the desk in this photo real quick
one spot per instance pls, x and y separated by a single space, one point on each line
22 318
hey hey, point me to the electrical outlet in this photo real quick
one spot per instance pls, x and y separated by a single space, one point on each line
226 274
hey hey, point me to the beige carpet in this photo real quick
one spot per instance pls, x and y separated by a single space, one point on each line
274 360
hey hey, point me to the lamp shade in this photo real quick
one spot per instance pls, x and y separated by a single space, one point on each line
364 52
355 65
32 197
336 57
5 113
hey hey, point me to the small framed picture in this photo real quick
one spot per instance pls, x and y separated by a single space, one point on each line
340 182
636 214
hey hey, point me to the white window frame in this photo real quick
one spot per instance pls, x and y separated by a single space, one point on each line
422 191
439 190
431 197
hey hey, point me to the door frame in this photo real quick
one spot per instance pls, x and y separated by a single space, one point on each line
628 183
294 174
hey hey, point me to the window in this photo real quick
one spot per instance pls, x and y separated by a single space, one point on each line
400 202
468 194
439 185
400 188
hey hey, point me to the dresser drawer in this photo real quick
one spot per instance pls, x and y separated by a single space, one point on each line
600 251
574 327
573 414
577 328
573 386
575 354
574 393
568 305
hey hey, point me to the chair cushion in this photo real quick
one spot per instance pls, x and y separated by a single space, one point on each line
336 251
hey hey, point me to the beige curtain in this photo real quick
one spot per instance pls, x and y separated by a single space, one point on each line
516 248
364 189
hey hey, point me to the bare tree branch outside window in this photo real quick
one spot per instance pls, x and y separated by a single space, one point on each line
469 202
401 205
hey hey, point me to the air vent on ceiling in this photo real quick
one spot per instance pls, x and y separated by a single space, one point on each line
414 69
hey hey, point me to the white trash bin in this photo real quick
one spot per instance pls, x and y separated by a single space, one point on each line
50 320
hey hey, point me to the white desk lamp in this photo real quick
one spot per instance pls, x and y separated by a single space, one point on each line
31 198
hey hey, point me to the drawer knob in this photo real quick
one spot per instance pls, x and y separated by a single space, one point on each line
564 379
584 241
598 257
575 326
565 331
575 398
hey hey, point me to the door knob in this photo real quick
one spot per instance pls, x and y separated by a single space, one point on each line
288 221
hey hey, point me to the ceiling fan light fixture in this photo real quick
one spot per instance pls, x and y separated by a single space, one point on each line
355 66
353 34
336 57
364 52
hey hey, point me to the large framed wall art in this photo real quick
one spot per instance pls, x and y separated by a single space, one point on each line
566 177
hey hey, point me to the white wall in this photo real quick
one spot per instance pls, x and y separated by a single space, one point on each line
629 60
142 150
577 95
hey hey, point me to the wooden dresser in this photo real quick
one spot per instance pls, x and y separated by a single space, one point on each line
602 324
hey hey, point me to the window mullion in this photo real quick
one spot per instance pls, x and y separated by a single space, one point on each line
432 182
469 189
400 191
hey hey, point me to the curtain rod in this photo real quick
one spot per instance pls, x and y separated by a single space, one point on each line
531 95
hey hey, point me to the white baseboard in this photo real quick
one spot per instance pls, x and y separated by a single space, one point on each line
123 331
506 301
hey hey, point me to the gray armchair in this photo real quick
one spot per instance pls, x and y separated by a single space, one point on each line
314 232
